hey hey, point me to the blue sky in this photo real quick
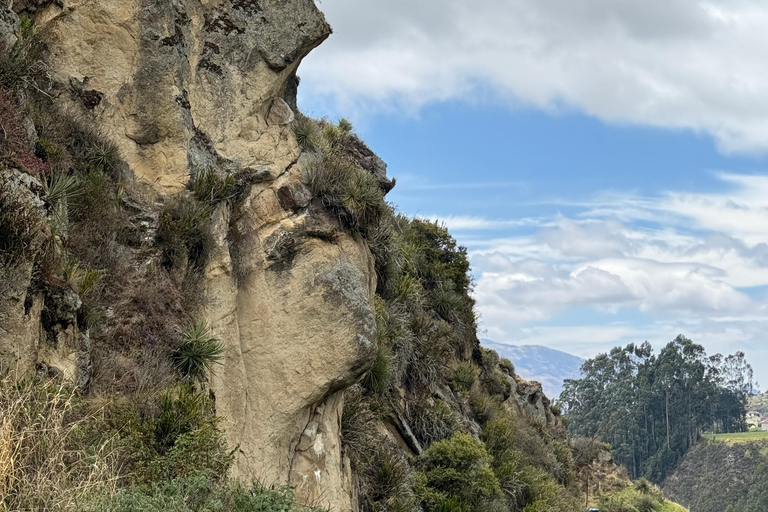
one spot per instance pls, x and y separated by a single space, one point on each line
603 164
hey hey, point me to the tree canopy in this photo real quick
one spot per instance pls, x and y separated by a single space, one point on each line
652 408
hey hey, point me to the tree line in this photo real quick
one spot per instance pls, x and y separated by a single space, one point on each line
652 408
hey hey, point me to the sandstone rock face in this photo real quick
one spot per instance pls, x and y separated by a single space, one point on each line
180 84
183 85
296 311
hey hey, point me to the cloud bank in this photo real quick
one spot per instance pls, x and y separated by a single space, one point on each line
680 64
691 263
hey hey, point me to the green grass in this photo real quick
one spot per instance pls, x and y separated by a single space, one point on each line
737 437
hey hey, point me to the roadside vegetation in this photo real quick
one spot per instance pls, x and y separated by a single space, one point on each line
653 408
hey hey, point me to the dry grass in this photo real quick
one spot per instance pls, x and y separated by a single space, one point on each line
45 462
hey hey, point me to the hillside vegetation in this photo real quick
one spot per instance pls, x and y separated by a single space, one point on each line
759 403
653 408
728 474
545 365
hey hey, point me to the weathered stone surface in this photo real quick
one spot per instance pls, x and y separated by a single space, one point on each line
300 329
9 24
184 82
20 308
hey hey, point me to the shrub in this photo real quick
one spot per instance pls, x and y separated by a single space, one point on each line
457 472
184 234
352 192
358 424
386 479
483 405
210 188
61 189
345 126
446 301
363 199
433 423
104 155
507 366
198 352
175 436
378 377
464 375
21 226
82 280
305 131
21 66
198 493
490 358
496 383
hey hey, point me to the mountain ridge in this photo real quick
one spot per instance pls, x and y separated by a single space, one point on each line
546 365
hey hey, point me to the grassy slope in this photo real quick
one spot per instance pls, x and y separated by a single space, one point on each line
719 473
739 437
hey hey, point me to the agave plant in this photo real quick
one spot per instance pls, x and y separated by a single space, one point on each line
198 352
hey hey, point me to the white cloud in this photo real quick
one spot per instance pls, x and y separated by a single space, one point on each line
667 277
671 63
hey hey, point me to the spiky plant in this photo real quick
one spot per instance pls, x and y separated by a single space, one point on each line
464 375
104 155
378 377
363 198
61 190
198 352
306 133
211 188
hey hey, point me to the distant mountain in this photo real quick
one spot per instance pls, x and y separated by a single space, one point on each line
546 365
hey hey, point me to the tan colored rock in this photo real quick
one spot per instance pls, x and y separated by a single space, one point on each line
187 83
299 329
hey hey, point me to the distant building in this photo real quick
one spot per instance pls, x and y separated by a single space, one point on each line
764 425
753 418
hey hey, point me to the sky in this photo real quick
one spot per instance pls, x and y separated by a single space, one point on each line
605 162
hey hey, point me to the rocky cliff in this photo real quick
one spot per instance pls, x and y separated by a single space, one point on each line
183 86
170 218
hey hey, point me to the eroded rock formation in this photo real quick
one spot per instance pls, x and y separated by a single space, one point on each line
185 85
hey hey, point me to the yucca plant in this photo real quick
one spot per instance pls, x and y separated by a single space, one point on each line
61 190
80 279
104 155
306 133
198 352
363 198
378 377
211 188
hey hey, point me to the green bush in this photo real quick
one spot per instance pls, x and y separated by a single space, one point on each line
305 131
21 65
184 234
433 423
198 352
176 436
210 188
352 192
345 125
378 377
457 473
496 383
464 375
198 493
507 366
